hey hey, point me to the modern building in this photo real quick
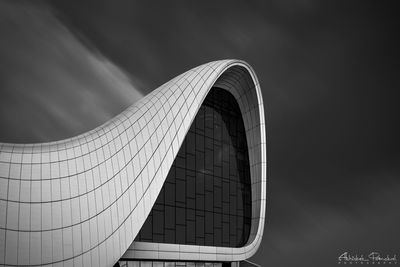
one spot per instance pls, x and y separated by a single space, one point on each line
177 179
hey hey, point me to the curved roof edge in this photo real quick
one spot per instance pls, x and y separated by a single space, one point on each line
92 193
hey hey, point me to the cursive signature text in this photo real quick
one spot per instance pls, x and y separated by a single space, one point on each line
371 257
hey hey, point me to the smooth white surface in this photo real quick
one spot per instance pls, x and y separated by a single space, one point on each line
90 195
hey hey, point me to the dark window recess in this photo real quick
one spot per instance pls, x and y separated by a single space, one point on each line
206 199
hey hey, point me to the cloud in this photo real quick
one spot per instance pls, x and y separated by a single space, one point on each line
52 85
329 81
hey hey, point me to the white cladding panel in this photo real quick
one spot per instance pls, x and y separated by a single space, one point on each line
82 201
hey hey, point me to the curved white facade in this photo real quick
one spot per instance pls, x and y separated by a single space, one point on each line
82 201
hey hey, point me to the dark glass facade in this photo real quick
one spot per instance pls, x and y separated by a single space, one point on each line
206 198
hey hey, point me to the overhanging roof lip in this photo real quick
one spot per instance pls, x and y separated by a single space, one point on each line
221 67
113 119
252 245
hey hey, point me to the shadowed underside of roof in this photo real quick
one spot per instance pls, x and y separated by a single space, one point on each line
83 200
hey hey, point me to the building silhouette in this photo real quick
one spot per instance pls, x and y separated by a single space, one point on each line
177 179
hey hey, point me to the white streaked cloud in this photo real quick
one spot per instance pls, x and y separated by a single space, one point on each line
52 86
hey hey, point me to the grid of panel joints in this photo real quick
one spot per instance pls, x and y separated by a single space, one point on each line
107 143
237 78
114 136
257 149
206 197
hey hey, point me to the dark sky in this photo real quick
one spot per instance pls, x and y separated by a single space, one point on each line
329 73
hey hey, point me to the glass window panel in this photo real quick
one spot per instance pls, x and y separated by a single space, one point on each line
225 191
191 232
180 162
232 225
232 205
158 238
225 169
169 236
217 197
200 241
218 236
209 218
199 142
240 224
209 117
169 217
200 202
208 205
193 127
206 199
190 162
218 172
209 162
200 162
199 226
217 155
217 220
158 222
180 234
169 193
225 208
180 216
191 203
190 215
190 187
208 182
209 240
209 133
190 140
200 120
199 183
180 173
218 128
246 230
225 234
